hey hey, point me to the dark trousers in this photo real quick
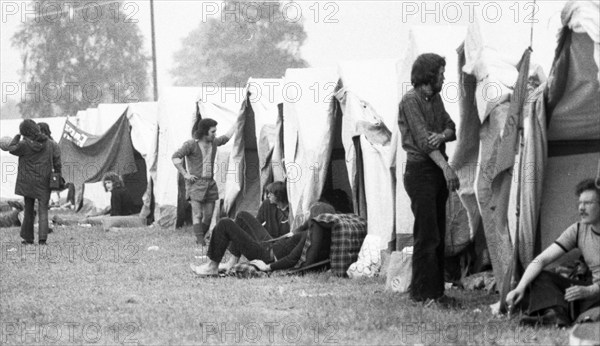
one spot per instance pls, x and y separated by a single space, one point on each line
426 186
548 290
251 225
29 216
243 243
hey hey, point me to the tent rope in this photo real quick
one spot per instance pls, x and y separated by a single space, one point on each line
532 22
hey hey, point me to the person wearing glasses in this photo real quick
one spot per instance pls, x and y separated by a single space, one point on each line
550 295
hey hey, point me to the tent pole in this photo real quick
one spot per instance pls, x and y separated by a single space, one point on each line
154 77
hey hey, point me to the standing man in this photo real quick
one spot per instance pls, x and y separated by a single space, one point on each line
201 188
37 159
549 293
425 126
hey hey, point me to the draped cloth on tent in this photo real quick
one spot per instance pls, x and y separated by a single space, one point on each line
87 157
500 137
466 153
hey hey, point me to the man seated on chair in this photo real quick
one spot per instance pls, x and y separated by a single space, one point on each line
551 294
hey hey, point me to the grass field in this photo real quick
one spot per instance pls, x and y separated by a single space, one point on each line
93 287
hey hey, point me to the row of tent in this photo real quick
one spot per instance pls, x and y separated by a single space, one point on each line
335 129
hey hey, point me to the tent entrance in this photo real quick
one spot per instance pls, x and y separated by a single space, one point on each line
137 183
250 195
336 189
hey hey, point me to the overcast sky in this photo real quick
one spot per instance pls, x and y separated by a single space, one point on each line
338 30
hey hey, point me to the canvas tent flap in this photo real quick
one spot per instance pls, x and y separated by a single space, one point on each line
369 102
253 145
575 117
494 76
308 125
582 17
535 153
87 157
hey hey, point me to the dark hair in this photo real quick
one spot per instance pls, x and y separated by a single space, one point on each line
279 190
204 125
587 185
319 208
45 129
113 177
28 128
425 69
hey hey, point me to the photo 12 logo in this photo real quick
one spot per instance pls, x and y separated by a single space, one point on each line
71 11
454 12
268 332
252 12
63 333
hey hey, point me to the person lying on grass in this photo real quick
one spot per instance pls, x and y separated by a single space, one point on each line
551 295
268 254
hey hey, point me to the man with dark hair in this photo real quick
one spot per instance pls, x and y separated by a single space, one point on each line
425 126
201 188
554 299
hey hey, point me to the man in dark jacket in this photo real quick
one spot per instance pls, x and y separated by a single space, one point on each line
36 161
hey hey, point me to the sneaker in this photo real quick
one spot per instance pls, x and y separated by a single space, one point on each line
203 270
25 242
42 242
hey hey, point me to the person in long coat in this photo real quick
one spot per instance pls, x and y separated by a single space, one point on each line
36 161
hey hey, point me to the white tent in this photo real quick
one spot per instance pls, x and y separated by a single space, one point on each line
309 124
369 103
256 150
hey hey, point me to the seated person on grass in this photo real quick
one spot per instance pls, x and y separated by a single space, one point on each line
273 212
271 220
551 294
272 254
121 203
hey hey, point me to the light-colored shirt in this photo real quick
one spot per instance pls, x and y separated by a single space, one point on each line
587 239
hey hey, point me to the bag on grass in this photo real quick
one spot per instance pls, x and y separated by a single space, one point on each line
399 273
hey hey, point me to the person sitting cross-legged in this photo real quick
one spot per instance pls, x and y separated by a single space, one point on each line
551 294
254 244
